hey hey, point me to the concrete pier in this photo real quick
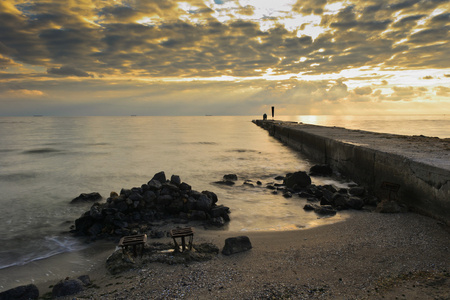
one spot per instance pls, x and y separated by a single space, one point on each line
419 165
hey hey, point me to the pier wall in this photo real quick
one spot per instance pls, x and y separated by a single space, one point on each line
423 188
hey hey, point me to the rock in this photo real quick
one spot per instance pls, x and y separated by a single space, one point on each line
154 185
236 244
357 191
325 210
232 177
219 211
321 170
299 179
175 179
204 203
185 187
160 176
287 194
23 292
211 196
119 262
355 203
67 287
198 215
83 224
218 221
87 197
85 279
309 207
279 178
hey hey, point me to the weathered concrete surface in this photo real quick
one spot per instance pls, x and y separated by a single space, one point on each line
420 165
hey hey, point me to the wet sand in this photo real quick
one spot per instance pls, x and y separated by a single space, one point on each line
367 256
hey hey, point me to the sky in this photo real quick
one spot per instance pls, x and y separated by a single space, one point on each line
224 57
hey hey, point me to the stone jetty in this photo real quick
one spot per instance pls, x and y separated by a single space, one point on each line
413 170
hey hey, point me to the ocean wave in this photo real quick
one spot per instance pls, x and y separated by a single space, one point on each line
48 247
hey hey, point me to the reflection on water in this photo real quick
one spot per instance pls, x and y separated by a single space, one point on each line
427 125
47 161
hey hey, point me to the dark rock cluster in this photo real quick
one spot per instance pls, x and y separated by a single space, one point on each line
325 199
133 209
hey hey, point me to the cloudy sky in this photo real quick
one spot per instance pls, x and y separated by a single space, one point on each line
224 57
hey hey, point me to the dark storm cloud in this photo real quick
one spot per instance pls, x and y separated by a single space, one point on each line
54 35
68 71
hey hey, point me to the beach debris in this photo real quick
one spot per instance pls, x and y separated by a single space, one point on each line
131 211
87 197
236 245
70 286
23 292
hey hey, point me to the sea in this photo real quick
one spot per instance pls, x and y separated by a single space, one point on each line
45 162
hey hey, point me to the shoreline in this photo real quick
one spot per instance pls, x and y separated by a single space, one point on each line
370 255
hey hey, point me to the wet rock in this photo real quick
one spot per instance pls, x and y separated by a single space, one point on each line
67 287
236 244
309 207
320 170
87 197
287 194
225 182
232 177
211 195
23 292
299 179
279 178
325 210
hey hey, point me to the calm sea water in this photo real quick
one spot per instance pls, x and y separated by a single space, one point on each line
47 161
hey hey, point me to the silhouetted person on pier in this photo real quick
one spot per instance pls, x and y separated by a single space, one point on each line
264 117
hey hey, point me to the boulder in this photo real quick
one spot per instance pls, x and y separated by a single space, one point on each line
204 203
160 176
87 197
299 179
67 287
211 195
321 170
175 179
23 292
355 203
232 177
236 244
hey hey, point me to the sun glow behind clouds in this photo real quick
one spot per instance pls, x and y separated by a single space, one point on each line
291 51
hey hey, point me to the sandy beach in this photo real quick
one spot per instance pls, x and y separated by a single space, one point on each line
367 256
